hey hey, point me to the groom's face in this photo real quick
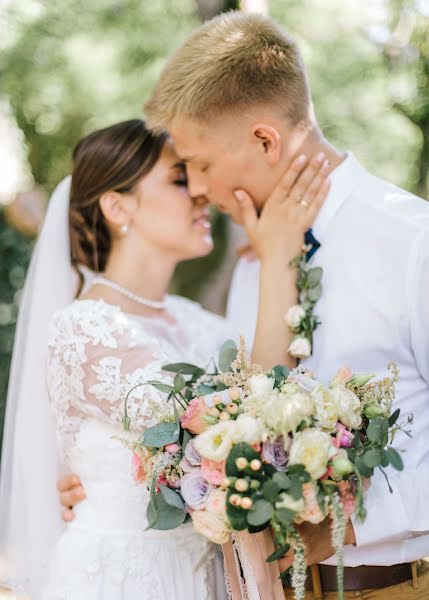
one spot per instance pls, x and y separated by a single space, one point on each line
221 158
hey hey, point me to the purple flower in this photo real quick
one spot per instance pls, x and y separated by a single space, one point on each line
195 490
192 454
274 453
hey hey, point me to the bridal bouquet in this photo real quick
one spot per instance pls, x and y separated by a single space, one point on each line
248 450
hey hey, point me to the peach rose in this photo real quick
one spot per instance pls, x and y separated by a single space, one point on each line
213 471
211 525
344 375
193 420
138 471
311 512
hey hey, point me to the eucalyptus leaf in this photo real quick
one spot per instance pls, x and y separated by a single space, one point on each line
185 368
394 417
169 517
227 355
285 516
271 491
378 430
314 293
171 497
282 480
372 457
161 434
279 553
204 390
161 387
187 437
363 469
395 459
314 276
260 513
179 383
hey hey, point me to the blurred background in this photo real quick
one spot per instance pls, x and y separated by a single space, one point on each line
68 67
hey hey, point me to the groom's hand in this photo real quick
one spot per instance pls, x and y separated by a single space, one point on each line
71 493
318 543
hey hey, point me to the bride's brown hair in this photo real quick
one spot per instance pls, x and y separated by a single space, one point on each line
110 159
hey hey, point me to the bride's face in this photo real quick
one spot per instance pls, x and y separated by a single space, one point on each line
165 217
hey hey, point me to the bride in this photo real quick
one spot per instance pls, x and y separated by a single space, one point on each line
112 239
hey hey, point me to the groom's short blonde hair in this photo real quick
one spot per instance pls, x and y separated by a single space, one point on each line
231 63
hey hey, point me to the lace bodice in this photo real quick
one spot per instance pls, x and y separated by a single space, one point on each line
98 353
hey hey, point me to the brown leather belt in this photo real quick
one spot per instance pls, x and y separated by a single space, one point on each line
361 578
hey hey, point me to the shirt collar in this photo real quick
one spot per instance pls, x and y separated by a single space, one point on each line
343 181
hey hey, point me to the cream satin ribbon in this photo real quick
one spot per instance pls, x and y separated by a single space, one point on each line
256 547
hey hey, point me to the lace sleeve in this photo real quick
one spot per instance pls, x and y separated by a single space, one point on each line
96 357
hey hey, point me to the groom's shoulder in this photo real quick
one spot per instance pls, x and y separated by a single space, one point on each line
395 206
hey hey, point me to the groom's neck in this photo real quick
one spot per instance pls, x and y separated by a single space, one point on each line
315 142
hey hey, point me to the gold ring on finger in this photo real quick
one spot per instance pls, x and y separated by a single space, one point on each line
304 203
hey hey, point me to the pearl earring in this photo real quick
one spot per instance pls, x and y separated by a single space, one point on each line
124 229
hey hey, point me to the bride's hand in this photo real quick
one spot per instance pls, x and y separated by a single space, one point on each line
71 493
278 233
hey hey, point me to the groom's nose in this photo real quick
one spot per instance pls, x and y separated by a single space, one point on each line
197 185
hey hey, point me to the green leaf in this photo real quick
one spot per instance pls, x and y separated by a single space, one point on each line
285 516
171 497
299 472
260 513
378 430
169 517
162 387
295 489
204 390
161 434
179 383
185 368
236 515
314 293
227 355
271 491
187 437
394 417
279 553
395 459
281 372
314 276
372 457
282 480
362 467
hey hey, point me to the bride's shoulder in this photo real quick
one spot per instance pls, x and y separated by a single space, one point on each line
183 307
89 318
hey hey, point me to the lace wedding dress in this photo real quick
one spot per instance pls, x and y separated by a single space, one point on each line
97 353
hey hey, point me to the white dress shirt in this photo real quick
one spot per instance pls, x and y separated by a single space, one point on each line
374 309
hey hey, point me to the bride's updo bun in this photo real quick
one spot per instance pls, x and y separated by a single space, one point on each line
110 159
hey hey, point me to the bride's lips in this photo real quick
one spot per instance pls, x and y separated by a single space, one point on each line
204 222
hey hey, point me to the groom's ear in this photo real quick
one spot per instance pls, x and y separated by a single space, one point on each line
269 140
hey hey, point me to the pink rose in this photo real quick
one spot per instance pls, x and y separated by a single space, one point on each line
172 448
348 499
138 471
213 471
193 420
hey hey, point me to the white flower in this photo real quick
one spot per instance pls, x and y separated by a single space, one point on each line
311 448
326 410
216 442
300 347
291 504
294 316
247 429
283 413
261 384
348 406
213 399
211 525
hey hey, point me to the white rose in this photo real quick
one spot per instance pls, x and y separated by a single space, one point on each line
294 316
300 347
348 406
325 408
216 442
211 525
283 414
261 384
247 429
288 502
311 448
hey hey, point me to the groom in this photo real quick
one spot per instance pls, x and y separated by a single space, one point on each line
237 102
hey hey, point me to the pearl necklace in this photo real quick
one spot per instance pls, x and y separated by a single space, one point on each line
118 288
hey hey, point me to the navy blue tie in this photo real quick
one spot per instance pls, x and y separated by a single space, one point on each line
311 240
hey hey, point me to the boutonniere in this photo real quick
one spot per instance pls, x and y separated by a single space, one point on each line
300 318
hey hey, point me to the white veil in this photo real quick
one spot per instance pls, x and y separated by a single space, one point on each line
30 513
